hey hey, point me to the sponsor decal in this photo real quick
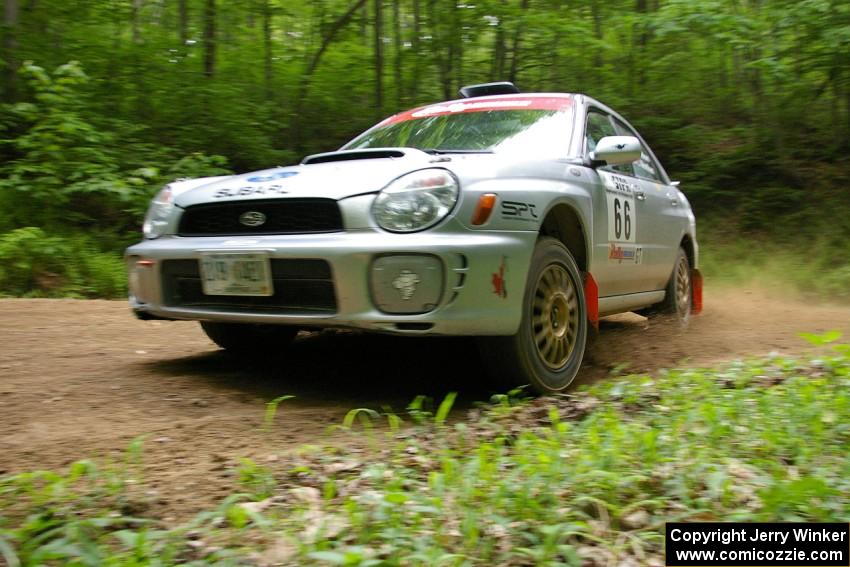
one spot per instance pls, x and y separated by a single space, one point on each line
406 283
498 279
273 189
620 253
516 210
271 176
618 184
264 186
620 197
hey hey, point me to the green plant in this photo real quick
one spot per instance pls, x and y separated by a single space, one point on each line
256 479
35 263
271 410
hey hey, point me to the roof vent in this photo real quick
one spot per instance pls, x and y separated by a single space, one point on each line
487 89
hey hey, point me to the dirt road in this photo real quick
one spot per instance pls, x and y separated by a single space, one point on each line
83 378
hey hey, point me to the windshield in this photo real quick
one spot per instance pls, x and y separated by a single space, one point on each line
528 131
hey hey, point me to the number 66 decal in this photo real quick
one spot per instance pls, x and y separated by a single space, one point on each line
622 223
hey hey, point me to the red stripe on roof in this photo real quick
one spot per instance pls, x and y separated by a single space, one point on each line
484 104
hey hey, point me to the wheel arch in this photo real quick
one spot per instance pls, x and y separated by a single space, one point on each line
564 223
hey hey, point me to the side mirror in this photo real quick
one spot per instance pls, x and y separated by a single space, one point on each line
616 150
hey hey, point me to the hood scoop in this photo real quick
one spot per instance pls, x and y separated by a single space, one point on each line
351 155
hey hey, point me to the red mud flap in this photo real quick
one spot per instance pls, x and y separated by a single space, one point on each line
696 290
591 299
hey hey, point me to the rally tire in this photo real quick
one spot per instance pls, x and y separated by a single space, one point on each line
241 338
547 350
679 293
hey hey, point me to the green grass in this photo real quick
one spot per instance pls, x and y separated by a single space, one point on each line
815 267
548 481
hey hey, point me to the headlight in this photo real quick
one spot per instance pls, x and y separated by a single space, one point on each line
156 221
416 201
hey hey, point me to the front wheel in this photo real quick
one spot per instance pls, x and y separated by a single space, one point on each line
242 338
547 350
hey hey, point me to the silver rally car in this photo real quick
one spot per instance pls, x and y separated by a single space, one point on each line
516 218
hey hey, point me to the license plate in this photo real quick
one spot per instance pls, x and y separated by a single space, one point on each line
236 274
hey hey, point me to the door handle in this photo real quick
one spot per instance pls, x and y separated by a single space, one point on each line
640 195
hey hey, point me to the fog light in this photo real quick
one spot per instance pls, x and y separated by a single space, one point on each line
407 284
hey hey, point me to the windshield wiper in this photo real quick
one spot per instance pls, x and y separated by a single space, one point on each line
437 151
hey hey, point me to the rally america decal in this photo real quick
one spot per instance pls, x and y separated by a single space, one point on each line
623 253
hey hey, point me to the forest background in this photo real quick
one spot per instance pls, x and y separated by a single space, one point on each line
746 102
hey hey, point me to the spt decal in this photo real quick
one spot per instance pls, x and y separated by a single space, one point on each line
516 210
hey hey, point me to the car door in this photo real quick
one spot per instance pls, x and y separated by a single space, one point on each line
620 218
662 212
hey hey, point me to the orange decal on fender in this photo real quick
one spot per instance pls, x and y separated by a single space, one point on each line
498 280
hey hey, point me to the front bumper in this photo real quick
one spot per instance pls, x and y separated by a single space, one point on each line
481 279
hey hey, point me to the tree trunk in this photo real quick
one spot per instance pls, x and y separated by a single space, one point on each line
267 47
183 21
516 44
498 68
304 84
636 63
417 56
10 49
444 63
457 41
596 13
399 91
209 38
379 59
134 18
555 66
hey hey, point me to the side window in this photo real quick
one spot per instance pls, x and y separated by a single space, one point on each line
644 167
598 126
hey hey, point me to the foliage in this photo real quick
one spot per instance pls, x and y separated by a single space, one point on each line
73 169
590 477
35 264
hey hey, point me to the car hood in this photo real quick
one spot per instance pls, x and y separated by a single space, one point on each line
343 174
336 175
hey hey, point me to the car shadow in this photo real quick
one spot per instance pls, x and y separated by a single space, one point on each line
350 368
345 368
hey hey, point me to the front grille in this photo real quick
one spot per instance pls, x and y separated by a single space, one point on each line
301 287
283 216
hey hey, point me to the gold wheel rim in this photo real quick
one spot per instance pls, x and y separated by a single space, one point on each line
554 317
